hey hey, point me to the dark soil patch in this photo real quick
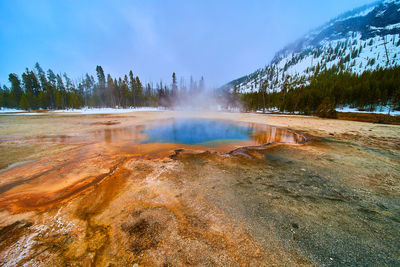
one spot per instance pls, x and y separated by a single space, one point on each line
369 117
107 123
144 235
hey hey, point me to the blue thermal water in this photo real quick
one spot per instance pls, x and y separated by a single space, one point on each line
197 131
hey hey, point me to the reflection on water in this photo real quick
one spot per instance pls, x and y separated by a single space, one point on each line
269 134
210 133
199 132
110 135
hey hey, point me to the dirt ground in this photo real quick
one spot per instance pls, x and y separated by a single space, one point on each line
76 191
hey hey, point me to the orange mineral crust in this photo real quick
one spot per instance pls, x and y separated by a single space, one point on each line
102 195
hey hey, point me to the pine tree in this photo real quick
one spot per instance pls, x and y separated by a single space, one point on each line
395 103
125 94
24 103
101 86
16 90
42 76
263 89
147 95
59 100
139 91
174 85
69 85
60 103
110 93
42 99
51 89
74 101
31 82
132 85
201 84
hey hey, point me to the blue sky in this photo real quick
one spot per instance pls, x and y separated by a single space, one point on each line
221 40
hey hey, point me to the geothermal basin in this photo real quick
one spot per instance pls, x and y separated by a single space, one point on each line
172 189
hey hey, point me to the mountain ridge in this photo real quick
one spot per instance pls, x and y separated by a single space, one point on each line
365 38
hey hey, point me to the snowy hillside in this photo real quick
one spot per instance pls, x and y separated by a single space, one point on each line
363 39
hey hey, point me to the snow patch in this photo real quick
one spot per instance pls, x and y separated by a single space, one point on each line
360 14
25 113
79 111
5 110
388 27
104 110
378 110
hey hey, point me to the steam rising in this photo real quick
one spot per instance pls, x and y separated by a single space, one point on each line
197 96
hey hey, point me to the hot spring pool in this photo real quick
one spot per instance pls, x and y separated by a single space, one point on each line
211 133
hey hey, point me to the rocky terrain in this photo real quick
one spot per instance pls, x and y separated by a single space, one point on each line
86 195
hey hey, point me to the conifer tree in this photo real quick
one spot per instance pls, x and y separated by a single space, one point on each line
174 85
101 86
16 90
125 94
30 82
201 84
42 76
24 103
60 101
132 85
110 93
148 95
139 91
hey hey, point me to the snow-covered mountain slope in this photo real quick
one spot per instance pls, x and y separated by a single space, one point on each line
363 39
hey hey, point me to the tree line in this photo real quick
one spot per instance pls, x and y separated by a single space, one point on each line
321 94
326 91
37 89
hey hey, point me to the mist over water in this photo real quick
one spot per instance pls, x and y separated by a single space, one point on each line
201 98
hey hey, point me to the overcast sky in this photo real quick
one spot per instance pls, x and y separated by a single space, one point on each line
221 40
